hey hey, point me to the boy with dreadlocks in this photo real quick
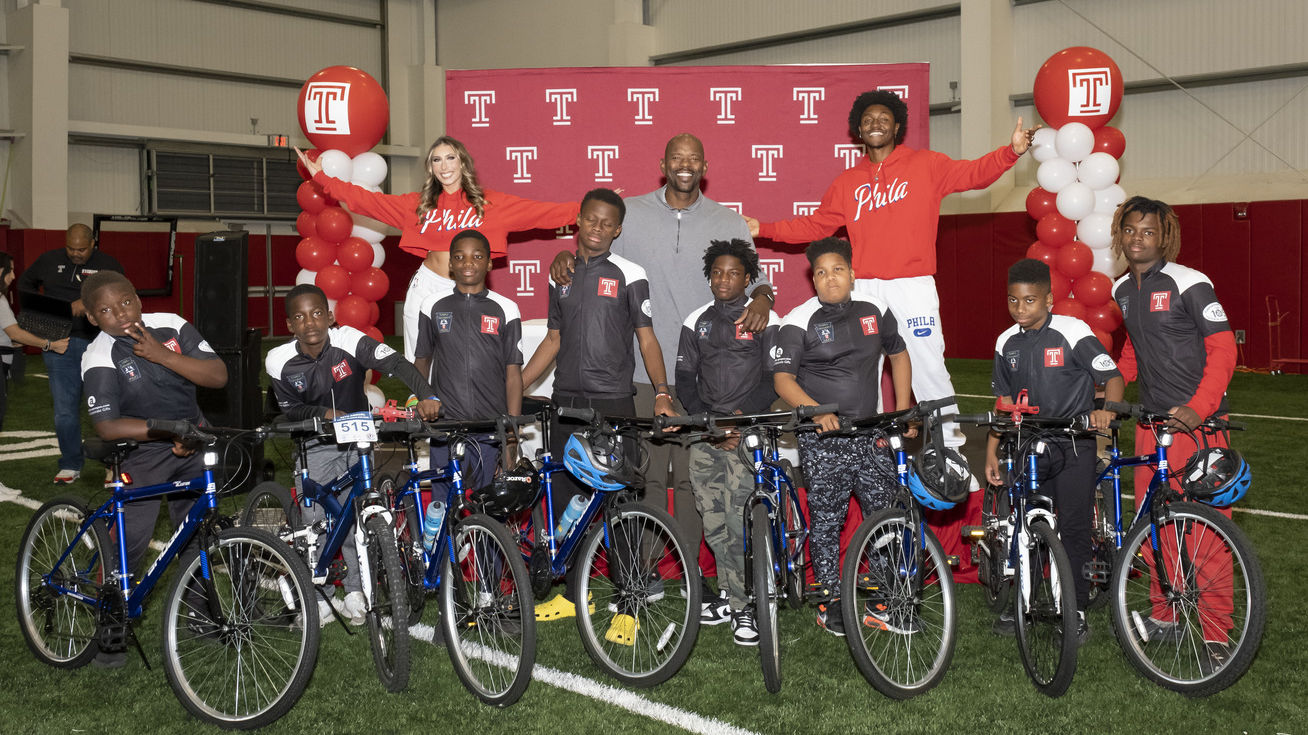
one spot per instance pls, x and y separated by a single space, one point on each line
723 368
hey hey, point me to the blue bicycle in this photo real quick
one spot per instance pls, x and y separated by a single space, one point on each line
240 629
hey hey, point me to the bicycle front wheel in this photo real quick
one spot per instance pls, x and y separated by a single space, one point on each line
486 611
1044 610
269 507
796 538
765 596
1189 616
992 550
639 596
239 647
388 613
59 629
897 595
1103 541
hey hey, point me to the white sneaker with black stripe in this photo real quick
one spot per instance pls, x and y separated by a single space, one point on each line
714 611
743 630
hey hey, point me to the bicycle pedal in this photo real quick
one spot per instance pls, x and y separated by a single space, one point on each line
1097 572
952 560
867 584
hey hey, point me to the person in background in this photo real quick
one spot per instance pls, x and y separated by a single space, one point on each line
12 335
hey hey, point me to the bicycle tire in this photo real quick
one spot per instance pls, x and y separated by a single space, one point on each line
270 507
657 586
1046 633
59 630
250 669
1175 663
487 611
901 637
796 553
388 610
992 551
764 568
408 541
1103 544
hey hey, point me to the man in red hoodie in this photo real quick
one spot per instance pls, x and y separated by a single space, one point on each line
890 205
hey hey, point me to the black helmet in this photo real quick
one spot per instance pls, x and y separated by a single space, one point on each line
1218 476
947 481
512 491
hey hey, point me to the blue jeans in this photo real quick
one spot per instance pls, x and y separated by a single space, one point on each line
65 373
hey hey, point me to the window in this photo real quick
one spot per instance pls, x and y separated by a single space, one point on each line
222 185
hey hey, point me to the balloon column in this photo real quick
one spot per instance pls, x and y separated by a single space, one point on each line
344 113
1077 91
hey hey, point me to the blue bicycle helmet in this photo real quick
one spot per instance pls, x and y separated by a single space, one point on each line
604 461
936 489
1218 476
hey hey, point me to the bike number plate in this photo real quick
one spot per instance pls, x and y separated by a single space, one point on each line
353 428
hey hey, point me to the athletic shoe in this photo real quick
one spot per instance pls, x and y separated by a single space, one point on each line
1005 626
354 607
1154 630
622 630
830 619
743 630
325 613
1213 656
105 660
714 612
68 477
877 615
1082 629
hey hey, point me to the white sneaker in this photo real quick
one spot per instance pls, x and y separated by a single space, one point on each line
66 477
354 607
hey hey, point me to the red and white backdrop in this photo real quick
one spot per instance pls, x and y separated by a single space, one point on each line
774 138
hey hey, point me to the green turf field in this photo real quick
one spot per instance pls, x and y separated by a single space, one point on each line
720 688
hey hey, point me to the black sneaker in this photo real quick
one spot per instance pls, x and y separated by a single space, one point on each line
743 630
714 612
830 619
1005 626
1157 631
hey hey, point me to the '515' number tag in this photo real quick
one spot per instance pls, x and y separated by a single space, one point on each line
356 427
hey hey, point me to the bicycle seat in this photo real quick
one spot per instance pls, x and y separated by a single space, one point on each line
532 405
109 452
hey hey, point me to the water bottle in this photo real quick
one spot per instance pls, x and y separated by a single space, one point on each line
572 514
431 525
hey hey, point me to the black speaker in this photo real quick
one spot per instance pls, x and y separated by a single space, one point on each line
221 283
238 405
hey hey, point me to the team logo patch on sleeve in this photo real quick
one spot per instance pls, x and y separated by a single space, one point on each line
382 352
341 371
869 324
1214 312
490 324
1053 357
1013 357
1103 363
742 333
173 345
825 332
608 287
1160 301
127 366
778 356
646 309
704 329
444 320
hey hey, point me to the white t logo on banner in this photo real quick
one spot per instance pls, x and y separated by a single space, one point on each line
899 89
809 96
737 207
800 209
520 155
1089 91
479 99
327 108
772 267
524 270
642 97
850 152
602 155
768 154
724 96
561 98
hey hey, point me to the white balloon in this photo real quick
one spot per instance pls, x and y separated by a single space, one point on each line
1042 145
331 304
1108 198
369 169
1108 264
1097 170
376 398
366 233
336 164
1075 201
1074 141
1055 174
378 254
1095 230
305 276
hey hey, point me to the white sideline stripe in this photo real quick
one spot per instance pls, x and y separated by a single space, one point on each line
46 441
10 495
18 434
1236 415
6 457
611 695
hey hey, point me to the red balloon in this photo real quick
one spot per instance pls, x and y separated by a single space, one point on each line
334 282
376 334
304 225
1059 285
1055 229
334 224
344 108
1110 140
1041 202
1093 289
1078 84
1104 318
374 313
313 154
1070 307
1105 339
1075 260
355 255
313 254
352 311
371 284
311 199
1043 253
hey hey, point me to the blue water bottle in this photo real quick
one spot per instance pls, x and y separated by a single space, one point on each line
572 514
431 525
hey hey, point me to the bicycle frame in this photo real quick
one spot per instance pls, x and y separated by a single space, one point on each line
772 487
339 518
1158 460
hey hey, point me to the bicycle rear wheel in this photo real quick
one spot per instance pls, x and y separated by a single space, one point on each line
992 550
900 631
1103 541
796 537
1044 610
639 596
765 596
486 611
269 507
388 611
1201 634
59 629
408 541
242 657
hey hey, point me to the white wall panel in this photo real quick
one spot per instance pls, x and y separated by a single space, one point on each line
103 180
508 34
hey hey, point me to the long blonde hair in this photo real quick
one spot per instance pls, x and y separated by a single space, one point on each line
431 190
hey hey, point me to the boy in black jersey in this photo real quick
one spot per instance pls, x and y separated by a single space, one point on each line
321 373
144 366
828 351
592 321
1058 361
725 369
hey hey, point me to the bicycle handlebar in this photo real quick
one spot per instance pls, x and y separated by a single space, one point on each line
183 430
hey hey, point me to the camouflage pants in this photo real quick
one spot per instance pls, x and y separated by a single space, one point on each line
722 483
837 467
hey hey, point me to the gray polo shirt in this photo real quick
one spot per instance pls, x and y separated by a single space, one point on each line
669 244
